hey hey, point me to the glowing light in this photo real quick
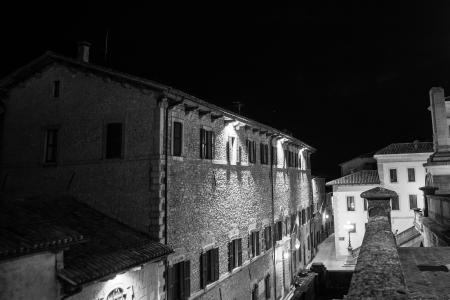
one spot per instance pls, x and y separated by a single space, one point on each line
326 216
297 244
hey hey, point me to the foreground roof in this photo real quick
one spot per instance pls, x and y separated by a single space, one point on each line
357 178
49 57
110 247
405 148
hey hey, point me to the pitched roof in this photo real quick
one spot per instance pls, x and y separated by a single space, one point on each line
110 246
49 57
357 178
405 148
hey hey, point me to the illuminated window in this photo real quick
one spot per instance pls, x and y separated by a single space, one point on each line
350 203
177 138
209 266
412 201
234 254
179 281
395 203
51 145
114 140
254 249
207 144
393 175
411 175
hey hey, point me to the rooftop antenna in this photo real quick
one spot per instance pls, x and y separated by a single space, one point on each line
238 105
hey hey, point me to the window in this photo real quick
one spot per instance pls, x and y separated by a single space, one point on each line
251 151
179 281
267 286
303 217
365 203
293 216
393 175
177 138
278 231
264 153
51 145
255 292
234 254
207 144
274 156
412 201
114 140
350 203
253 245
268 237
209 266
411 175
56 88
230 149
395 203
296 160
287 223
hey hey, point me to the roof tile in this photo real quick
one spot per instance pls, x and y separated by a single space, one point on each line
405 148
360 177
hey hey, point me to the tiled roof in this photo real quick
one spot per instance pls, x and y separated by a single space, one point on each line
111 247
24 231
404 148
360 177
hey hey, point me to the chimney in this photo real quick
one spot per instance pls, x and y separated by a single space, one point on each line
83 51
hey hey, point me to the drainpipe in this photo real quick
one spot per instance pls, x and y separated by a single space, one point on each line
273 220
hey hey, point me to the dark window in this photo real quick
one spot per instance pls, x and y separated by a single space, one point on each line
395 203
56 88
207 144
234 254
411 175
296 160
293 216
51 145
350 203
303 217
412 201
268 237
255 292
114 140
177 138
274 156
253 245
309 242
278 231
393 175
267 286
264 153
179 281
365 203
251 151
209 266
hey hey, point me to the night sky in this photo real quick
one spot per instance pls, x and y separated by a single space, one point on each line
345 77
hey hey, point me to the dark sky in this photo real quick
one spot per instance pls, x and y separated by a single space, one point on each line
344 76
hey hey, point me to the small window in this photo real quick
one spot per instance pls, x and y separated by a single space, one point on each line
207 144
268 237
395 203
251 151
114 140
267 286
234 254
209 266
411 175
412 201
303 217
51 145
350 203
253 245
179 283
177 138
393 175
56 88
264 153
365 204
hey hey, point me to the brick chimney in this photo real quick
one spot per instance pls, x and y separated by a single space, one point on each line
83 51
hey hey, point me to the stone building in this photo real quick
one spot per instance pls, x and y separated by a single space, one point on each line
231 196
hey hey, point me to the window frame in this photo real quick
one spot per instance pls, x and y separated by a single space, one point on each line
352 198
390 175
413 174
254 245
413 197
207 143
209 267
234 254
183 270
181 138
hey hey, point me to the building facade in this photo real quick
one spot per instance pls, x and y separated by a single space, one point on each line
231 196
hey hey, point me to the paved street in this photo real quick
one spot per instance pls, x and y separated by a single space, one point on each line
327 256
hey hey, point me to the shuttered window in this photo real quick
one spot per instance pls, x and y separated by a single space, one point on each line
209 266
412 201
177 138
264 153
207 144
254 244
268 237
251 151
411 175
234 254
179 281
395 203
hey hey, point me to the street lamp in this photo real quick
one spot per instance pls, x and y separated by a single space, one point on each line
350 228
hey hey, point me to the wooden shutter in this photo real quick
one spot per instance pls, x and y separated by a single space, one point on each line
230 257
257 243
203 270
216 263
187 279
169 283
239 252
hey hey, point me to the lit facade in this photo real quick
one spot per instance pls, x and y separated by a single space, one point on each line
230 195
